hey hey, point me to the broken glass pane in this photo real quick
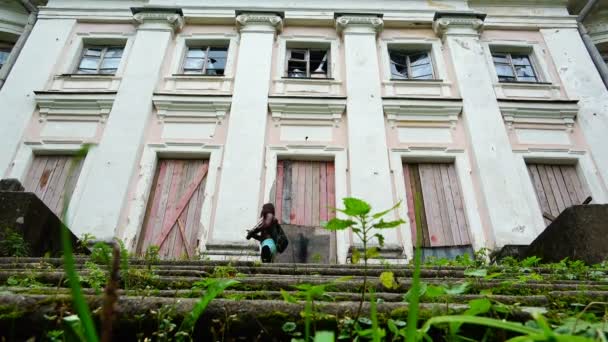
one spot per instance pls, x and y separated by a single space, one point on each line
419 59
216 66
318 62
296 69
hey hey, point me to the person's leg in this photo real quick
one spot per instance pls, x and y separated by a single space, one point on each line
269 249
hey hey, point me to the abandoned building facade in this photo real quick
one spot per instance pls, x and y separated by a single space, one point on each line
195 113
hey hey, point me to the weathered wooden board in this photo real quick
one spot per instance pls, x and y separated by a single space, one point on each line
311 184
557 187
172 219
50 179
443 222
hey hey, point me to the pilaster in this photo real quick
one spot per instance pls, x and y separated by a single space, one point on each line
369 170
114 163
507 216
240 185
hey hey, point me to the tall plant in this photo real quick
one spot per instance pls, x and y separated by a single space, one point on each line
365 226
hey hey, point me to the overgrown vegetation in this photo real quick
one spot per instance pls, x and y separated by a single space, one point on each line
474 307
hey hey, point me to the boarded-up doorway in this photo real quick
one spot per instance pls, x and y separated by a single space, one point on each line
557 187
173 214
304 195
442 221
53 179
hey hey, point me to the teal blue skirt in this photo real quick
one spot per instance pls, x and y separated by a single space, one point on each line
270 243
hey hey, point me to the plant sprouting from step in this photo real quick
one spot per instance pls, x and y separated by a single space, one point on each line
366 227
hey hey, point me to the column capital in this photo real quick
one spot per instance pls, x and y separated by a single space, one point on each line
458 23
158 18
361 24
262 22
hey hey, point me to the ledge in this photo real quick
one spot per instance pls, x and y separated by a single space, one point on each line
429 110
307 108
194 107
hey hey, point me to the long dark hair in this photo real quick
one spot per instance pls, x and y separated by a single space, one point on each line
267 208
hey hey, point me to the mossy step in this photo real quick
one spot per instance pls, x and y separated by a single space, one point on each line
30 313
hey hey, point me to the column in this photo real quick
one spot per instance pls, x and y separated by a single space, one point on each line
583 82
115 159
238 203
29 73
370 177
505 209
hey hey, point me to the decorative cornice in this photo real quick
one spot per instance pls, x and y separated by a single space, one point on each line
562 114
191 108
458 24
422 111
246 21
359 24
84 107
158 19
314 109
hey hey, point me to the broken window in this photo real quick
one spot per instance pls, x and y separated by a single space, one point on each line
5 51
415 65
308 63
512 67
206 60
100 60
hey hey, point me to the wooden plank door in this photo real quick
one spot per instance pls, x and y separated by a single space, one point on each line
557 187
53 179
172 219
442 220
305 192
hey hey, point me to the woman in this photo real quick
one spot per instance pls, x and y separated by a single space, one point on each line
266 232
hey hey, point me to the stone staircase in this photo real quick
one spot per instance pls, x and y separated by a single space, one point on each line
34 295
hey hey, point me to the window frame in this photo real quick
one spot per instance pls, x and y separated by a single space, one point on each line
509 54
104 50
307 50
187 48
409 53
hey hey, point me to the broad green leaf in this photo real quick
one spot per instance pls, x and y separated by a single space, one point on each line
434 291
372 252
480 273
388 224
355 207
422 290
382 213
493 275
324 336
338 224
478 307
380 238
457 289
388 280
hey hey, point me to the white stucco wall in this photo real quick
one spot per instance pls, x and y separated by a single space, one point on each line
105 192
29 73
241 178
